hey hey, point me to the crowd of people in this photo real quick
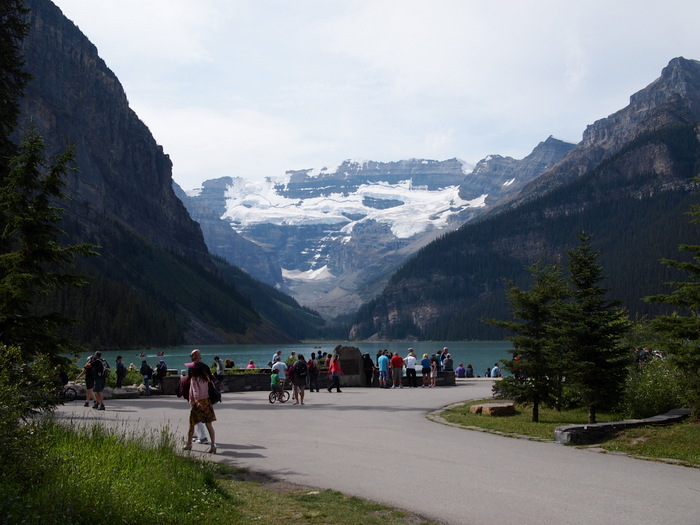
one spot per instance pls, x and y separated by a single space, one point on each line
296 371
391 367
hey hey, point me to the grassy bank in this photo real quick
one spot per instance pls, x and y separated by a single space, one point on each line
87 475
677 442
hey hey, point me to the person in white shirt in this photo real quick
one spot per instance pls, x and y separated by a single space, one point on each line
277 354
410 363
281 369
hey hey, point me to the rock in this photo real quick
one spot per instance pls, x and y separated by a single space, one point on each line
493 409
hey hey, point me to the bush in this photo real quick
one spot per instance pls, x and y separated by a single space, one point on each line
654 389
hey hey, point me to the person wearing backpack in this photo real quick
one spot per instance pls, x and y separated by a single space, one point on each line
147 374
101 369
301 370
161 372
313 373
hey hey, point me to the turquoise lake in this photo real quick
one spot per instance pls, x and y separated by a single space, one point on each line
481 354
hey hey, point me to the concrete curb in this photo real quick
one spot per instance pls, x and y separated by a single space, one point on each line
586 434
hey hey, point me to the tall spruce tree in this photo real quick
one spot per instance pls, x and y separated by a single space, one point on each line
590 332
34 263
536 366
681 331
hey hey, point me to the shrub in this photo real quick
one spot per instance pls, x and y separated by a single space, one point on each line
654 389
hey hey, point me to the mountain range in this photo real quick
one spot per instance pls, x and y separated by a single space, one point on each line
412 249
332 237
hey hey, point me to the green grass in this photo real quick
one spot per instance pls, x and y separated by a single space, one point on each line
521 423
679 442
89 475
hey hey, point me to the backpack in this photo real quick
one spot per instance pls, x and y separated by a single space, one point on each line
183 388
102 368
300 369
105 369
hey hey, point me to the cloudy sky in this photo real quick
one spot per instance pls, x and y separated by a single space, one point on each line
254 88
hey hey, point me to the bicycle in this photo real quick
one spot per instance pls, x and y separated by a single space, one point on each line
282 396
67 393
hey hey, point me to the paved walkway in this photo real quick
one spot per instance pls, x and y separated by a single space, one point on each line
378 444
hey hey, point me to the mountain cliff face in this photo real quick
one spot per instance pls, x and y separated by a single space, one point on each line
124 175
337 234
224 241
628 183
155 282
670 100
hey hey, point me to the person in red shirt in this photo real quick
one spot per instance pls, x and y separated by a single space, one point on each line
396 371
335 372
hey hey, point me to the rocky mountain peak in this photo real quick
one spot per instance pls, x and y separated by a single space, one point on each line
497 176
674 95
672 99
680 77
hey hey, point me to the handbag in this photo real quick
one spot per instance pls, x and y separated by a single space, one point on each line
214 394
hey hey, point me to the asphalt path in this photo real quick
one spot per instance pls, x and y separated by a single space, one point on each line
379 445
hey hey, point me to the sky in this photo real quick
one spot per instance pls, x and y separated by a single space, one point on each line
254 88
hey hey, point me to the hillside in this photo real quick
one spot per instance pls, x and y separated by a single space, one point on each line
627 183
155 283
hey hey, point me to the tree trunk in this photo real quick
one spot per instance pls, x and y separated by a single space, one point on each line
591 414
536 409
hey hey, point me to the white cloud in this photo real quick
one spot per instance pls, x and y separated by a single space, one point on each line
257 87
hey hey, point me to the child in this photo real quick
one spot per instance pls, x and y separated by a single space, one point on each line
200 434
275 381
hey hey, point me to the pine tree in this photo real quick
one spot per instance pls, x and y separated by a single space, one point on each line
681 330
33 263
536 363
590 332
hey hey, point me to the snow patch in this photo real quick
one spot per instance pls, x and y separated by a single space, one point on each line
422 210
467 167
320 274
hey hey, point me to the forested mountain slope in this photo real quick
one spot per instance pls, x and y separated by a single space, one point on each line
627 183
155 282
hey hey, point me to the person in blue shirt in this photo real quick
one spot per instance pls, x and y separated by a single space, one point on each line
383 363
425 370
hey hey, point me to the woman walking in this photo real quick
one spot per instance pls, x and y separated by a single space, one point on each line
335 372
201 409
